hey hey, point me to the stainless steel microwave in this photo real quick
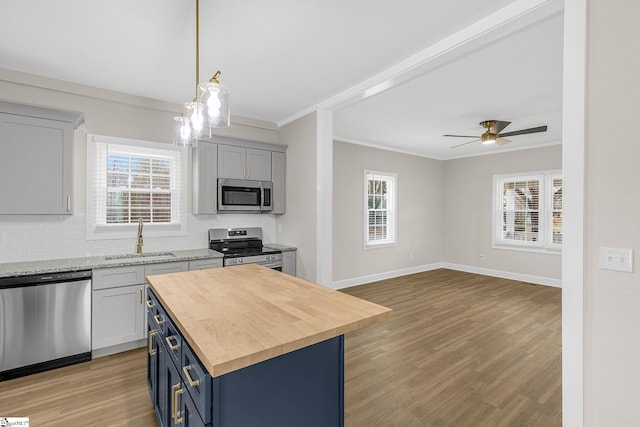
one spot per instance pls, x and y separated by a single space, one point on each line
244 195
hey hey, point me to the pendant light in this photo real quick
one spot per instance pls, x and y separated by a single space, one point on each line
210 108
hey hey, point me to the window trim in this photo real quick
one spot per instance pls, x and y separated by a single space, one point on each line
95 231
545 209
392 212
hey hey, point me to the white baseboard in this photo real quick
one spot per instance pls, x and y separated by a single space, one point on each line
346 283
538 280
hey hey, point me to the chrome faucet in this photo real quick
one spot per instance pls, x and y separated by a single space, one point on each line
139 244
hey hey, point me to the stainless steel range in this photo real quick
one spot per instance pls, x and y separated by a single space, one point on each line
244 246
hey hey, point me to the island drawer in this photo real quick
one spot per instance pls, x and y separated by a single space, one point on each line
173 341
198 381
157 315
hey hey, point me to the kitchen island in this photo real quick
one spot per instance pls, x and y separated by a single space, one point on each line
249 346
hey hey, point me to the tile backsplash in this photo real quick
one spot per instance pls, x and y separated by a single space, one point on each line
38 237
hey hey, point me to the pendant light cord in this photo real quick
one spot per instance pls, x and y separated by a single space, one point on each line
197 46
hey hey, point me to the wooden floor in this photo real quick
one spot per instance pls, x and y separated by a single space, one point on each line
460 350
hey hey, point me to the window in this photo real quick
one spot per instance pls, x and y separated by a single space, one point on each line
128 180
380 209
528 211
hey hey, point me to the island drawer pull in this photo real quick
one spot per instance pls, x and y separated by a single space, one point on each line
172 346
174 402
191 382
150 304
152 351
178 418
159 319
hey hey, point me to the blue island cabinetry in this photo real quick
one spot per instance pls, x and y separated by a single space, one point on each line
299 388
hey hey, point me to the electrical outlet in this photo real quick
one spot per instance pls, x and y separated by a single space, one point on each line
481 257
617 259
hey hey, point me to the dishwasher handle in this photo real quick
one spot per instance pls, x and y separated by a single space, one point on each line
44 278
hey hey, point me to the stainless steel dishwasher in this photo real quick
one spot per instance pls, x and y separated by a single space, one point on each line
45 322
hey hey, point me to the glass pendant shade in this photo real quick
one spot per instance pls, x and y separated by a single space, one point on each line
214 96
182 132
194 111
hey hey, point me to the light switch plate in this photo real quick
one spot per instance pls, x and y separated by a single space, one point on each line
617 259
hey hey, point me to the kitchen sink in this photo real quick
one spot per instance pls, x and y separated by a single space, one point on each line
143 255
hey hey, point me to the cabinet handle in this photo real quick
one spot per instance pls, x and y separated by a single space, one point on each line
178 418
150 304
141 289
68 203
191 382
175 346
152 351
158 318
174 401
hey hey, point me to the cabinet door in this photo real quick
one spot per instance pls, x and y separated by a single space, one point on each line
118 316
232 161
205 178
278 167
258 164
153 362
289 262
35 165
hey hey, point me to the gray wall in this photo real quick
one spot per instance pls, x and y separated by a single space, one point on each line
29 237
612 299
420 222
468 189
297 227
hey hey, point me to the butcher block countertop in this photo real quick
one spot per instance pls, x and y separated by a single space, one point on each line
234 317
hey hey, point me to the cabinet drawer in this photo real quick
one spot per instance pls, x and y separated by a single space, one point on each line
205 263
165 268
173 341
156 315
105 278
197 381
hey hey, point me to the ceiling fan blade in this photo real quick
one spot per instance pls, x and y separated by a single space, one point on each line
502 141
525 131
463 136
497 128
460 145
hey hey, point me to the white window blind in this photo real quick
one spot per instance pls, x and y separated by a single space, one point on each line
380 209
528 211
130 180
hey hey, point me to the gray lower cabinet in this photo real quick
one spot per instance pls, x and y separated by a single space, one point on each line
118 316
117 310
35 165
289 262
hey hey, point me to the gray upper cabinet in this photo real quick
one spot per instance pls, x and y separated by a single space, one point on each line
243 163
278 167
205 174
36 154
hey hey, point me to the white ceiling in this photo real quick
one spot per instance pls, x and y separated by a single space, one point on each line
280 58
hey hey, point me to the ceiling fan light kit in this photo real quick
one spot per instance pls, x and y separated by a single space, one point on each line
493 133
210 108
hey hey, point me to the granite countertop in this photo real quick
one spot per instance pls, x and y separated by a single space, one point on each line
89 263
238 316
278 247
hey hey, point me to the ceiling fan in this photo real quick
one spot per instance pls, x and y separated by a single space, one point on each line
493 135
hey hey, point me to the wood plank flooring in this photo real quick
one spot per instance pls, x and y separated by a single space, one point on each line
460 350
